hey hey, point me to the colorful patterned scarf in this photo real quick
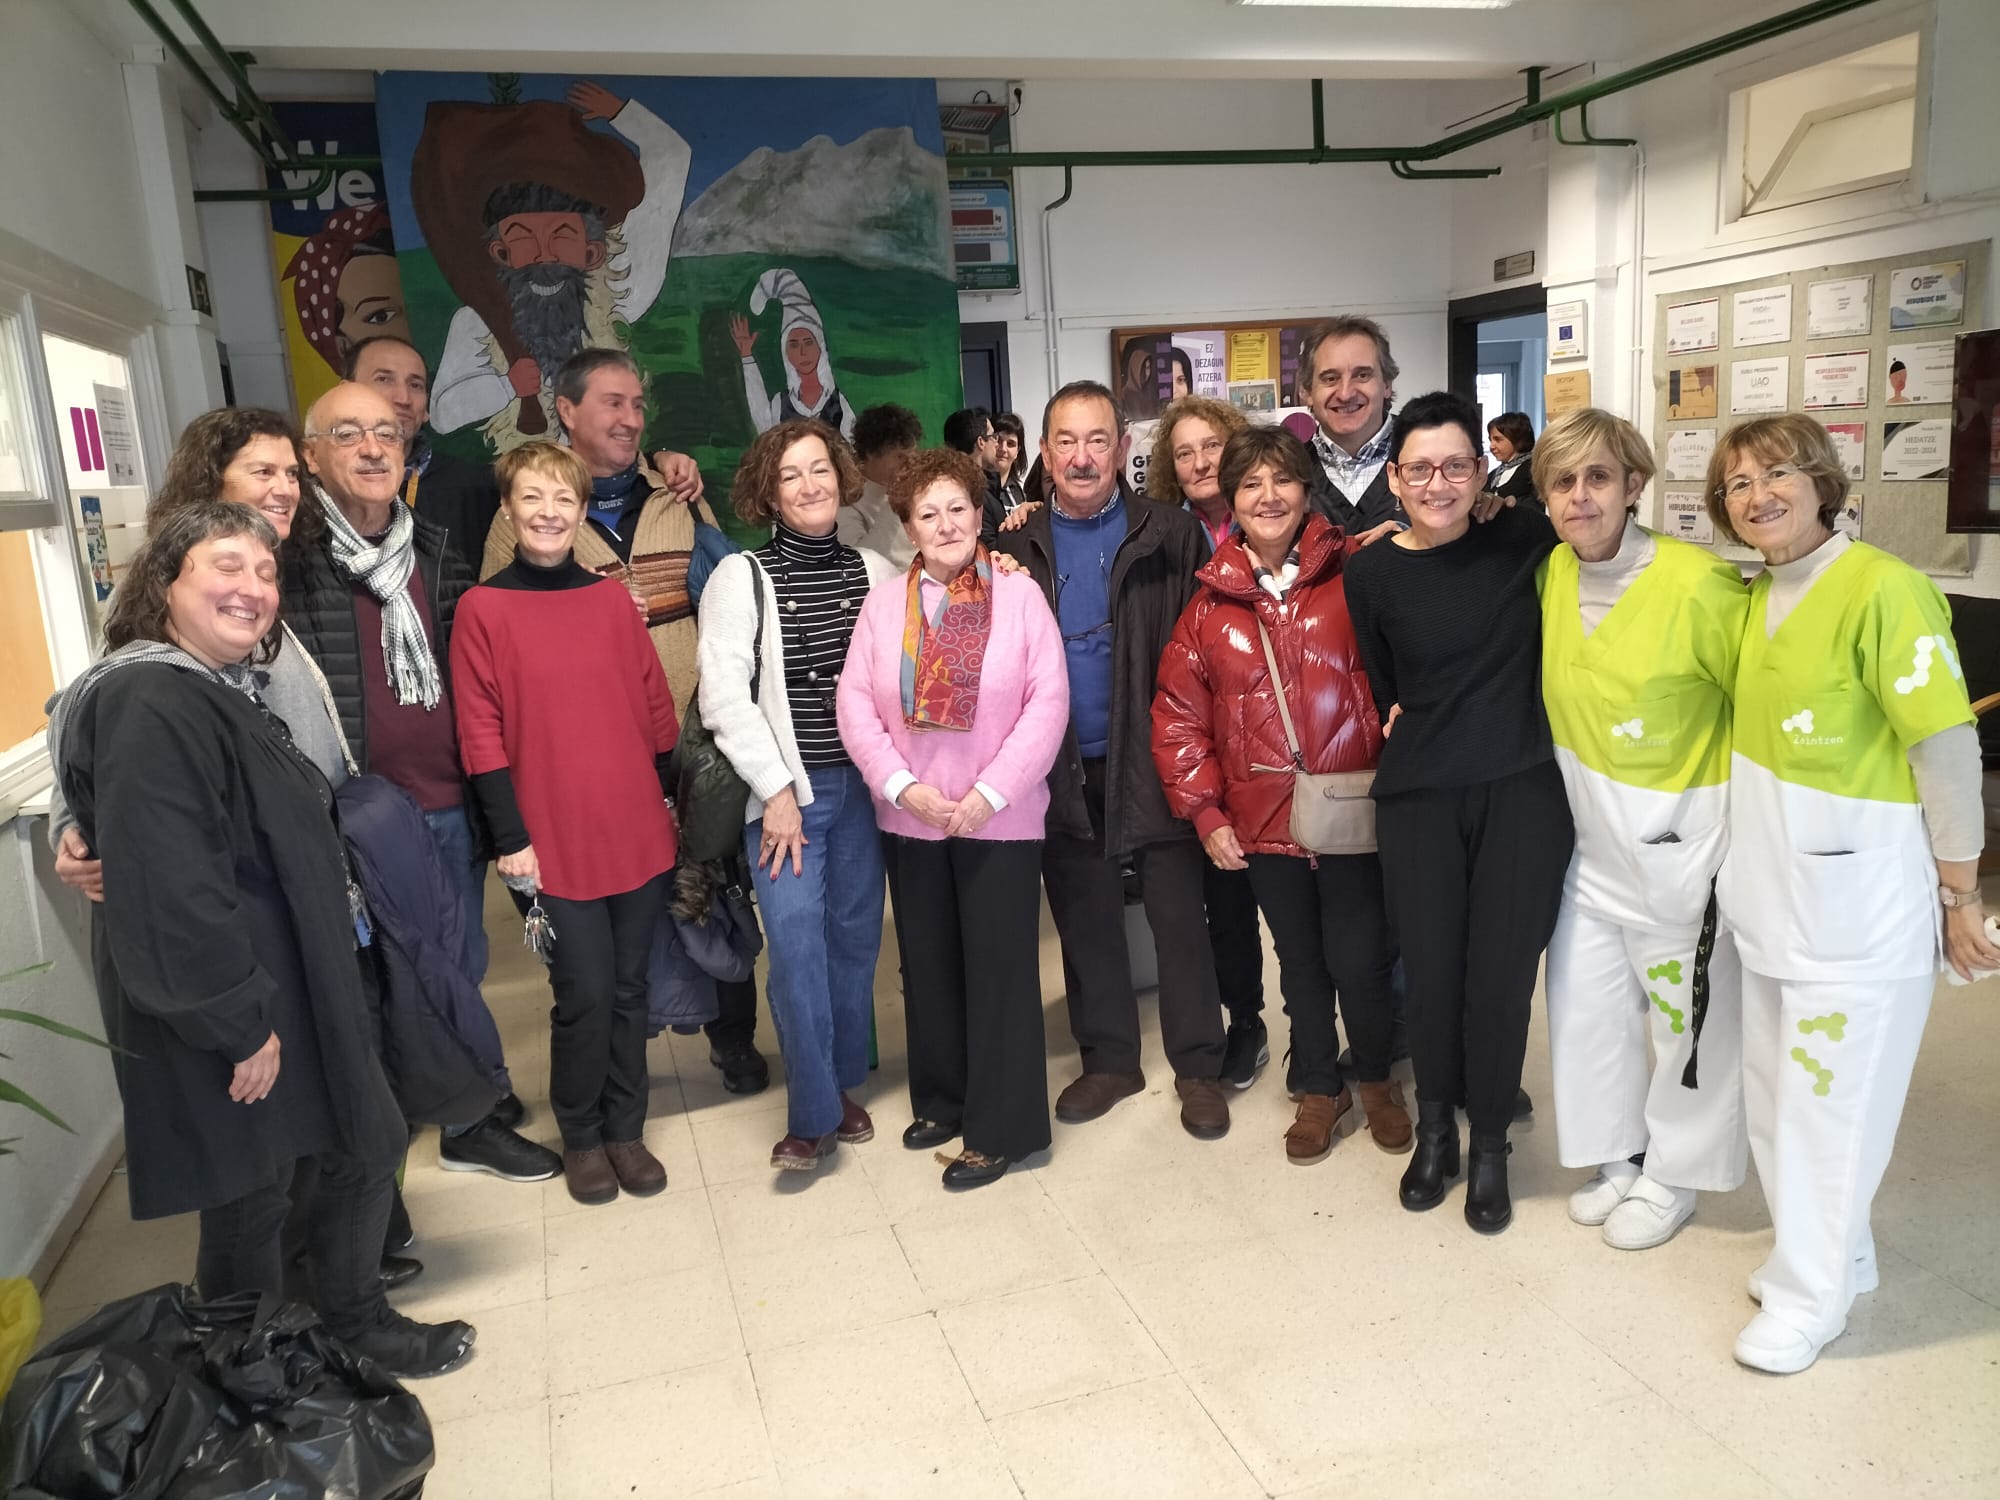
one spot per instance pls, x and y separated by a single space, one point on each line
942 657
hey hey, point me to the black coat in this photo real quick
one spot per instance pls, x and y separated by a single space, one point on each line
225 918
1152 580
1519 486
463 497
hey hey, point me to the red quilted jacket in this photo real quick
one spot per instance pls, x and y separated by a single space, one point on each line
1217 739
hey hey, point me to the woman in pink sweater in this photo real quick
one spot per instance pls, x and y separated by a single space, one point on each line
952 704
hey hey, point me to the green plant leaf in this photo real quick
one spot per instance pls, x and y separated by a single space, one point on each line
41 968
10 1094
55 1026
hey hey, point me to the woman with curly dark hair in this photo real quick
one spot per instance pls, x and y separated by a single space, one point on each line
775 627
247 455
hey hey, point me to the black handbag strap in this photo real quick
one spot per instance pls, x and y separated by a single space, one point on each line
756 635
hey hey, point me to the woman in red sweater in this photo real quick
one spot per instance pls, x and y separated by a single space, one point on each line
565 725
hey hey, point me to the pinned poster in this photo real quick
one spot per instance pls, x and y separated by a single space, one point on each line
96 545
1850 443
1250 354
1927 296
1691 392
1849 519
1919 374
1914 452
1694 326
1565 390
1759 385
1836 379
1196 364
1688 451
1763 316
1839 308
1687 517
120 434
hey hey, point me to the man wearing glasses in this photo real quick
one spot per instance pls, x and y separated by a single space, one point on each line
369 588
1118 569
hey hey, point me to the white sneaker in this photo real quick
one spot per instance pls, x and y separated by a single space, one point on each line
1777 1348
1650 1213
1592 1203
1867 1277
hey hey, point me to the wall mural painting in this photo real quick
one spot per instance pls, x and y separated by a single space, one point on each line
765 248
338 281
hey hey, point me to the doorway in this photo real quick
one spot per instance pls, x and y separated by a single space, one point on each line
982 363
1498 351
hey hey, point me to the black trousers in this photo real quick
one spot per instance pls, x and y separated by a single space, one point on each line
1087 900
1330 926
735 999
1474 876
242 1242
1233 934
968 912
597 1047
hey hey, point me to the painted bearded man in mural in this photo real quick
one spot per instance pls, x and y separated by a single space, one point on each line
550 233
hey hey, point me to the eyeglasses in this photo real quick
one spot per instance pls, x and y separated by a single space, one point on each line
1456 470
1771 478
349 434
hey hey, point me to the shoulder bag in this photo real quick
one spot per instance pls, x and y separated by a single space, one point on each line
709 797
1333 812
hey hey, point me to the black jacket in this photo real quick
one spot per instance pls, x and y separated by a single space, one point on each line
1519 486
1152 580
462 497
1370 509
226 919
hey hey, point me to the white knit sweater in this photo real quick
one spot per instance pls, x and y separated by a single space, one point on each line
756 736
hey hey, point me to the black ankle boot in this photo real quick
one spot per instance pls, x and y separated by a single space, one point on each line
1435 1161
1488 1209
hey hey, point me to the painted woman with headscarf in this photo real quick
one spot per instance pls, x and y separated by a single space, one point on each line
809 389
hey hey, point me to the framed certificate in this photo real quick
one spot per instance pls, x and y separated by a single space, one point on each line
1833 380
1763 316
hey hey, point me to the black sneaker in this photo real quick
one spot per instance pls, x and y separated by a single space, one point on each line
1246 1049
491 1147
510 1111
411 1350
744 1070
398 1269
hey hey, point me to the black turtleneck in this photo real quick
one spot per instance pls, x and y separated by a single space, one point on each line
543 578
820 586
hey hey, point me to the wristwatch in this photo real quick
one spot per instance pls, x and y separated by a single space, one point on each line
1956 898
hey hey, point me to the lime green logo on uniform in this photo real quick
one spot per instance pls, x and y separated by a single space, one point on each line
1669 971
1920 663
1834 1026
1676 1020
1631 729
1822 1077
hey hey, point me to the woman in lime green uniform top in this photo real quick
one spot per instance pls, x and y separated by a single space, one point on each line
1855 832
1639 641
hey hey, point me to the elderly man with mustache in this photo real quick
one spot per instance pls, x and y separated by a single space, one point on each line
1118 569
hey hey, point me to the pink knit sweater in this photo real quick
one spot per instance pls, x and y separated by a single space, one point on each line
1016 730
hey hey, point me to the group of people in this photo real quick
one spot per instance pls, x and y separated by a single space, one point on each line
1427 731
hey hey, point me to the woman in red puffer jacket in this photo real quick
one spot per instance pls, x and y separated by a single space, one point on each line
1219 742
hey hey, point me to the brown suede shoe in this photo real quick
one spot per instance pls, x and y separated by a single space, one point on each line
639 1171
589 1175
797 1154
1319 1120
855 1126
1388 1116
1204 1108
1093 1095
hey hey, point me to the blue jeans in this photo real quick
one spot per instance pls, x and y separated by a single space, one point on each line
453 835
824 935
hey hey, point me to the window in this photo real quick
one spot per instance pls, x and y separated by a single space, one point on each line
1840 126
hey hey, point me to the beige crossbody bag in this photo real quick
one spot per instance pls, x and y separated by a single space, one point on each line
1333 812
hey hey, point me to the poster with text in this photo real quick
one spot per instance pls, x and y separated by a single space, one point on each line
763 248
1850 442
1694 326
1759 385
1919 374
1849 518
984 250
1833 380
338 278
1691 391
1763 316
1916 451
1688 451
1687 517
1927 296
1839 308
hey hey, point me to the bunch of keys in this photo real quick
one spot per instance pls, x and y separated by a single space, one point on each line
540 936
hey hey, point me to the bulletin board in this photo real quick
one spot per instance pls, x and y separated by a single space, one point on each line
1864 348
1253 366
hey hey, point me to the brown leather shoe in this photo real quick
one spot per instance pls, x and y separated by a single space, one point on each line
855 1126
1319 1120
795 1153
1388 1116
589 1175
639 1171
1204 1108
1093 1095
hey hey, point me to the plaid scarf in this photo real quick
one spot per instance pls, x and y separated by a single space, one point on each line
942 657
384 569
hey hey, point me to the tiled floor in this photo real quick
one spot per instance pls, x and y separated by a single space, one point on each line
1141 1314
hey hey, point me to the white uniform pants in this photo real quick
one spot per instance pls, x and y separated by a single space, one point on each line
1826 1067
1607 983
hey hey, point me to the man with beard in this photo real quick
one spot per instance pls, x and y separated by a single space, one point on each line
640 530
1117 569
551 234
1347 380
370 590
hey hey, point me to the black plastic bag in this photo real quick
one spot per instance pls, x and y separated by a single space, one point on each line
158 1397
